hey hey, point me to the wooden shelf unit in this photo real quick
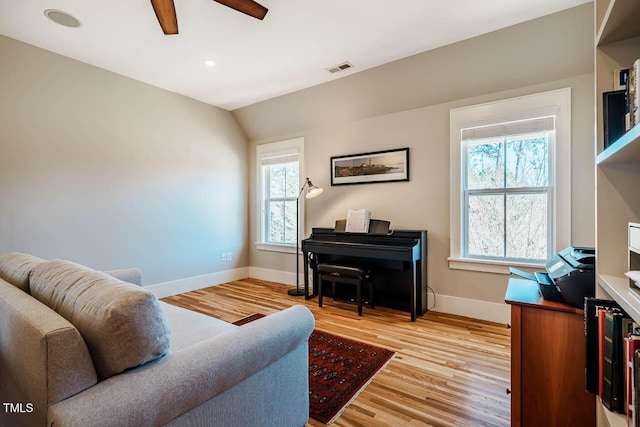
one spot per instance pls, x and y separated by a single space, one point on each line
617 45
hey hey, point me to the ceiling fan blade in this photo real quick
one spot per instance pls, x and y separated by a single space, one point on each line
248 7
166 14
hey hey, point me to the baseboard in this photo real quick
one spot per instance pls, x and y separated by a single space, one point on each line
477 309
175 287
277 276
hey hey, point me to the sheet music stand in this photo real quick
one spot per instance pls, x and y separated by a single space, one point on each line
376 226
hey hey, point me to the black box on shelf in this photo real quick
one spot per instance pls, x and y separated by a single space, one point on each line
613 108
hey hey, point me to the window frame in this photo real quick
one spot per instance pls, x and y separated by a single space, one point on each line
288 147
556 103
547 191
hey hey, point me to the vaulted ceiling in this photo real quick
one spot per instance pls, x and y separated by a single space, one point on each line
290 49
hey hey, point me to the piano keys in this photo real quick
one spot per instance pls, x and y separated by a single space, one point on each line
398 262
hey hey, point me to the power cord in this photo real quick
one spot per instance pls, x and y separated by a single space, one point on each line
434 297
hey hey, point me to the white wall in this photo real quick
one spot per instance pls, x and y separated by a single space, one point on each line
406 104
111 173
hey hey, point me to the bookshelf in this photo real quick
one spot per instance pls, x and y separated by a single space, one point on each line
617 45
624 150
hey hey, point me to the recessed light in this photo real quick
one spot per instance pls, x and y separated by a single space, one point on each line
209 63
62 18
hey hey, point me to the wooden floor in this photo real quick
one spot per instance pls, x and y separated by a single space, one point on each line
449 370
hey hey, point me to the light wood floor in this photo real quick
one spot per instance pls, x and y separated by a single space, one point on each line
449 370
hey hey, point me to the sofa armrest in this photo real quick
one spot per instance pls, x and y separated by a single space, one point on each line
162 390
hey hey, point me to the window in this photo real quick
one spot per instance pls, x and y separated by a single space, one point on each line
507 187
510 182
278 173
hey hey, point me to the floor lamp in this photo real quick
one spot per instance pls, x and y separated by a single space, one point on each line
312 191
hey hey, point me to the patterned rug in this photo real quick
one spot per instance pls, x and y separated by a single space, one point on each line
339 370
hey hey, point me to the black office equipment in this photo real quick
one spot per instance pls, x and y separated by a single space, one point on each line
398 261
569 276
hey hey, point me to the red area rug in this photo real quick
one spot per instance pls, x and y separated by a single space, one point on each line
339 370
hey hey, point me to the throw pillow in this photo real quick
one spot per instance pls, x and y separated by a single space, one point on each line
15 268
122 324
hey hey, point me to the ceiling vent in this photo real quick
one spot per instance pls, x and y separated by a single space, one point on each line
341 67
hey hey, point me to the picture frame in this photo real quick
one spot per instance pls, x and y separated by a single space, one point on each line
376 166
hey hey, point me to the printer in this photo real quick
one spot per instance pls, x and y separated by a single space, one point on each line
569 276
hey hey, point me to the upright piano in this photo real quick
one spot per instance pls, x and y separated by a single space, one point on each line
398 262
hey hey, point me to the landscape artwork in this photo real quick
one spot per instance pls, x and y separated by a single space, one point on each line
379 166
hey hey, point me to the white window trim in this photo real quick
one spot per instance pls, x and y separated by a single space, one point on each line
275 247
557 102
289 146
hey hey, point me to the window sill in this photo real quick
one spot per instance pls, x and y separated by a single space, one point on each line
274 247
488 266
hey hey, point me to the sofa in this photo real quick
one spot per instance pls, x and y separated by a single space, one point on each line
80 347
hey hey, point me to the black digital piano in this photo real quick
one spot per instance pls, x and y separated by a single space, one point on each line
398 261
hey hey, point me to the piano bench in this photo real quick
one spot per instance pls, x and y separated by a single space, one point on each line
345 274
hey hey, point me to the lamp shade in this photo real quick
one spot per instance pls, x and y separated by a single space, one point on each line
313 191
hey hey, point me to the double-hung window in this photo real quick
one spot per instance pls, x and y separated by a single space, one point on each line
510 181
508 189
278 171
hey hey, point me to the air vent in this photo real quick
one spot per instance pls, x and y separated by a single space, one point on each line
340 67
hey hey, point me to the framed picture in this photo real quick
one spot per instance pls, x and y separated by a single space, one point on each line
379 166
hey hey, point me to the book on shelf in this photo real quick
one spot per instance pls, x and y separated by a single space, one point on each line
632 343
593 351
621 106
632 93
619 338
626 332
613 368
634 103
630 116
612 341
620 78
636 388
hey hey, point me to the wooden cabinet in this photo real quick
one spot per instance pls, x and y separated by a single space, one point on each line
547 361
617 46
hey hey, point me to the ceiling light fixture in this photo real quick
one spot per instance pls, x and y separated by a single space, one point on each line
209 63
62 18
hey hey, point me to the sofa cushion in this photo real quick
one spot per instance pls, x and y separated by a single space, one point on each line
189 327
15 268
43 358
122 324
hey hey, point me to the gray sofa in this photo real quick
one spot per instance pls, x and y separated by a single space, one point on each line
80 347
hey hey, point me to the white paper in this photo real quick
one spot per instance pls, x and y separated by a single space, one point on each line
358 221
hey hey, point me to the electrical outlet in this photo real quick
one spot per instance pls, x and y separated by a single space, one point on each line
228 256
224 256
